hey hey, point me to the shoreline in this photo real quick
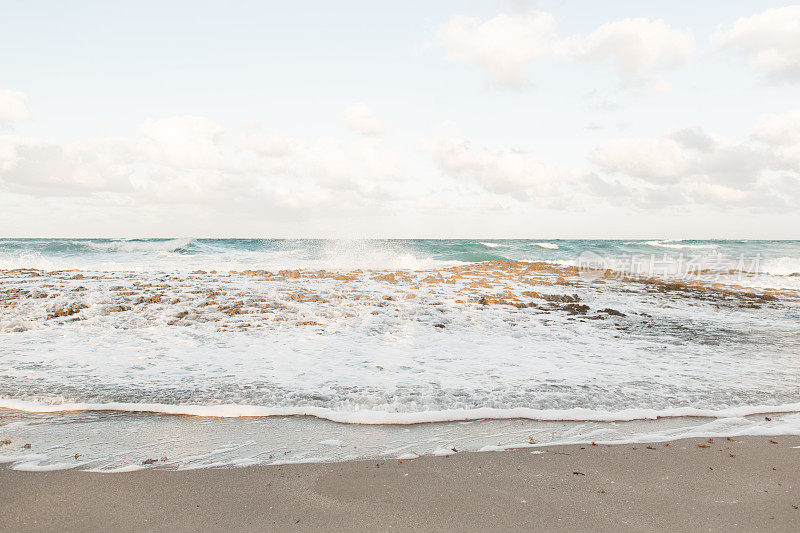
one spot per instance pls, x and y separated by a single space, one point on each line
383 418
740 484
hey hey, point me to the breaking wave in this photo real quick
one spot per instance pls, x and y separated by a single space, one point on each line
776 258
676 244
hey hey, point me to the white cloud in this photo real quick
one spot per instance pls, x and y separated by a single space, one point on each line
504 45
683 154
220 189
184 141
178 160
252 137
689 166
654 160
638 47
326 161
694 138
782 133
178 163
13 107
683 167
788 156
779 129
512 172
770 40
359 117
51 169
335 163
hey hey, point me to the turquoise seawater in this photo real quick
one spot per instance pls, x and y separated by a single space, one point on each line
241 351
657 256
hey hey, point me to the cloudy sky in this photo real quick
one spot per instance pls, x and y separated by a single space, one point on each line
400 119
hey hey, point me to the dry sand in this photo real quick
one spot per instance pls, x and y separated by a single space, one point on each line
744 484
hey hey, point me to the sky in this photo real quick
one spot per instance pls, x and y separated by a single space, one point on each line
497 119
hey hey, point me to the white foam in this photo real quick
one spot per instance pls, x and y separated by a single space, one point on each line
38 467
675 244
117 470
30 457
134 245
781 266
545 245
407 456
27 260
373 356
443 452
33 462
170 256
506 447
350 255
292 440
365 417
493 448
718 427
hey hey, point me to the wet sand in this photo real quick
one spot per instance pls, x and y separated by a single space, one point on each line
742 484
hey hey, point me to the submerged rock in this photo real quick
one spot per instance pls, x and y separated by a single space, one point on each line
67 310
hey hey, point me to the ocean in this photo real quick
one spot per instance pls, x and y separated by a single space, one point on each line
115 353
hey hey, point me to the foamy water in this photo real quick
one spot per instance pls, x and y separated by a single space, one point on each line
483 343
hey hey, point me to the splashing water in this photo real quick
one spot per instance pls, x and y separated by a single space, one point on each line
100 336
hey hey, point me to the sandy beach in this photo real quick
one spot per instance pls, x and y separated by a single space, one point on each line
743 484
381 266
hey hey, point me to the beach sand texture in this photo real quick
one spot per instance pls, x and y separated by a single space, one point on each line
744 484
